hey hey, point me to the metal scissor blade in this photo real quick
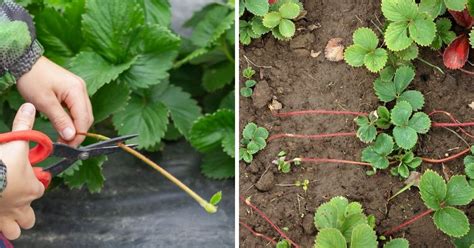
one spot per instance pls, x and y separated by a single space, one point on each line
106 150
112 141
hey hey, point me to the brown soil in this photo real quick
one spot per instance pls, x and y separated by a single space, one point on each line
299 82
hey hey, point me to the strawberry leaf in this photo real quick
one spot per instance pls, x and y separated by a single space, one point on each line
385 91
470 7
289 10
403 77
405 137
420 122
422 30
399 10
364 51
410 53
459 192
286 28
218 76
457 5
363 236
257 7
444 35
98 73
471 39
148 119
377 154
434 8
397 243
396 36
213 131
109 99
217 165
433 189
376 60
465 241
366 131
414 97
451 221
257 26
401 113
88 173
330 238
272 19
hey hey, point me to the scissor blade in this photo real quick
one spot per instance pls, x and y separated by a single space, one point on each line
107 150
112 141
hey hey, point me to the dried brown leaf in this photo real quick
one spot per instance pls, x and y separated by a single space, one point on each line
334 50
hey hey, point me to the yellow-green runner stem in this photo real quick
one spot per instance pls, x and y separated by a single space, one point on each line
205 204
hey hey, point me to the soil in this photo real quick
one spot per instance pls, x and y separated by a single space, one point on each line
300 81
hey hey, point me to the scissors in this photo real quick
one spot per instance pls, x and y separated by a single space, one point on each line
46 148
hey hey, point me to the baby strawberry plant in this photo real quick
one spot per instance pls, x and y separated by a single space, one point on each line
263 17
442 198
254 140
283 165
247 90
365 51
343 224
140 76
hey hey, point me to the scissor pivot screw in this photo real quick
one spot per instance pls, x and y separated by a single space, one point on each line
83 155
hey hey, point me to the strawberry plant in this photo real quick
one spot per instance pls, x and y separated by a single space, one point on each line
283 165
365 51
143 78
247 90
263 17
343 224
441 198
254 140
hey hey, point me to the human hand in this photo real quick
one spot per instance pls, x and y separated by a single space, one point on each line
22 185
49 87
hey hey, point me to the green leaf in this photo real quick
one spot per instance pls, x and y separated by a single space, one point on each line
216 198
257 26
157 11
444 35
363 236
457 5
399 10
109 99
470 8
214 24
213 130
465 241
89 174
289 10
257 7
248 72
218 76
330 238
377 154
271 19
405 137
366 131
250 83
331 214
397 243
148 119
366 38
246 92
459 193
410 53
351 222
422 31
434 8
384 144
287 28
184 110
354 55
403 170
469 166
471 39
385 91
396 36
157 49
432 189
451 221
414 97
218 165
376 60
403 77
95 70
383 120
109 27
401 113
420 122
249 130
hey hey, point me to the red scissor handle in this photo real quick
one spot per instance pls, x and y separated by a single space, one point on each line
42 150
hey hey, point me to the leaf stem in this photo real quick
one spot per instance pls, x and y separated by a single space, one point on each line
429 64
408 222
205 204
267 219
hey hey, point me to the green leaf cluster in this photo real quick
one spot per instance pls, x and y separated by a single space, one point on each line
247 90
142 78
284 166
442 197
253 140
342 224
469 167
276 18
365 51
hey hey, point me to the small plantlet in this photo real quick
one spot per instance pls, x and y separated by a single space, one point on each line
441 198
283 165
254 140
303 184
283 244
408 125
280 21
343 224
248 72
247 90
365 51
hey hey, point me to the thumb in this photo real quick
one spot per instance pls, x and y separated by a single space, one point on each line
25 118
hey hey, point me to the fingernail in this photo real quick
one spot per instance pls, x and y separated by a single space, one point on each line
68 133
28 109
